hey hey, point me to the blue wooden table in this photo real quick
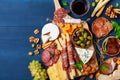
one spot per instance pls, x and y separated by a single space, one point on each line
18 19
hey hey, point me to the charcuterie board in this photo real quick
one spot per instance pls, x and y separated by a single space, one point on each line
92 61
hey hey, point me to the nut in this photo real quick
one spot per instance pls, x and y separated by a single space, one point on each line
36 31
36 40
31 39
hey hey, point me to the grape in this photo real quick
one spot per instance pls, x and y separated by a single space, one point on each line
37 71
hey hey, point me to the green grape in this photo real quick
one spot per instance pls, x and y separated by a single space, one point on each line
37 71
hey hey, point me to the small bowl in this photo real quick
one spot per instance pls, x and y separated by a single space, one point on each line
105 43
82 39
77 5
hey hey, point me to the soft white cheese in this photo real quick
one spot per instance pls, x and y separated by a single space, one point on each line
53 31
84 54
72 20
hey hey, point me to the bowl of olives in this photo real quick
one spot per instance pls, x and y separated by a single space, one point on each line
82 38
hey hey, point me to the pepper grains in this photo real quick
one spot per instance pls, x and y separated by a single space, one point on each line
35 43
112 12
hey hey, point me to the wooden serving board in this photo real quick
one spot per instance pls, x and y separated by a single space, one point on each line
85 25
58 71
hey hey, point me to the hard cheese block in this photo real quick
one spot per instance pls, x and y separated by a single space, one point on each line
84 54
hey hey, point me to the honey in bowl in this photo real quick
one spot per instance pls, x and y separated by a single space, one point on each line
79 7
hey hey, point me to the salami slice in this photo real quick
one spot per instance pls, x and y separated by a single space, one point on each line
49 57
45 56
49 63
56 57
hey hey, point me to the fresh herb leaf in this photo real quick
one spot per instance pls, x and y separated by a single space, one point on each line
79 65
104 68
116 27
105 45
64 3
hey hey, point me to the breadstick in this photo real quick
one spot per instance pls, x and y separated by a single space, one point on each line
100 11
99 6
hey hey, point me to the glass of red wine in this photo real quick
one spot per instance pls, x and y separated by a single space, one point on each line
79 7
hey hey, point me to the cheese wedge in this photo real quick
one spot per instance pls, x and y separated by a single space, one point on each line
84 54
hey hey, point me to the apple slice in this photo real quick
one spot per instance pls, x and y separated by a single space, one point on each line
49 32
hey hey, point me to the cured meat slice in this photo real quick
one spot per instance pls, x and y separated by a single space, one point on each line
59 15
49 63
64 58
45 56
70 54
49 57
76 57
101 27
56 57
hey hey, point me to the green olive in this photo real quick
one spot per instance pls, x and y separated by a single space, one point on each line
81 38
81 29
89 37
88 42
82 45
85 35
78 42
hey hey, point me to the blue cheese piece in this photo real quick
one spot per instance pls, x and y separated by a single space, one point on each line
84 54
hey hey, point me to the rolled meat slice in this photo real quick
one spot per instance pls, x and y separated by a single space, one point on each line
76 56
70 54
64 58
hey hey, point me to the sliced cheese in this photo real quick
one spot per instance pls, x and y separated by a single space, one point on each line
84 54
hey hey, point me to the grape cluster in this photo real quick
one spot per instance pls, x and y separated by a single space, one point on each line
37 71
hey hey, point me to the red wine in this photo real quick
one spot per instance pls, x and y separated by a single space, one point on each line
79 7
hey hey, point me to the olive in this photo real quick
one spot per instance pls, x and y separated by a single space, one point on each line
81 29
81 38
89 37
82 45
85 35
78 42
88 42
78 34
